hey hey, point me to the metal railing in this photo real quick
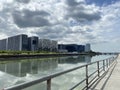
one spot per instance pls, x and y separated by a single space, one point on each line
106 63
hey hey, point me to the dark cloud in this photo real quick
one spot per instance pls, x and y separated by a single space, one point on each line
84 16
27 18
54 32
71 2
29 13
80 12
23 1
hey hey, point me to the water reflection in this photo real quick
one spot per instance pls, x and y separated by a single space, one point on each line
75 59
30 69
20 69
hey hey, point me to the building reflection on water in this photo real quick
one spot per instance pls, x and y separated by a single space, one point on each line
20 69
75 59
36 66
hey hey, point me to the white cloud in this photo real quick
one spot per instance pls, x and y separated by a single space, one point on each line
68 21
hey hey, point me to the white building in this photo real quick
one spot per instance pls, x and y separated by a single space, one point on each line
44 44
17 43
54 45
87 47
47 45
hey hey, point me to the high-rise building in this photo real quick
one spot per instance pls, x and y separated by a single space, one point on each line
33 43
3 44
18 43
87 47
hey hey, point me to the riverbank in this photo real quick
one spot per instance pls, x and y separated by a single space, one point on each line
47 55
6 57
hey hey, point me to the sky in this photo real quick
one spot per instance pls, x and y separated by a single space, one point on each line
68 21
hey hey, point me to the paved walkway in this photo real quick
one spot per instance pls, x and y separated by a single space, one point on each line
111 80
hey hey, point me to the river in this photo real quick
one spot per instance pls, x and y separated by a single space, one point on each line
19 71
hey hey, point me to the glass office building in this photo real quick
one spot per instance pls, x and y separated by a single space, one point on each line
23 43
18 43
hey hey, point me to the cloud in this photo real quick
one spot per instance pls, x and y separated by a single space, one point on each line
72 3
107 29
67 21
48 20
27 18
23 1
82 12
55 32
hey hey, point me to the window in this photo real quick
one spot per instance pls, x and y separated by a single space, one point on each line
34 42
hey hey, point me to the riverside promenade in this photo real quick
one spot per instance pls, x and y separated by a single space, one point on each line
111 81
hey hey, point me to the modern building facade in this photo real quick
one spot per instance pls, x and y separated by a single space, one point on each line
33 43
44 44
48 45
61 46
71 48
3 44
54 46
87 47
80 48
23 43
17 43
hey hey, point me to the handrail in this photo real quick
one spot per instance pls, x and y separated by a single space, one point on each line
49 77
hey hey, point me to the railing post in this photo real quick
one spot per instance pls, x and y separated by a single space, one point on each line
104 65
86 77
49 84
98 68
110 61
107 63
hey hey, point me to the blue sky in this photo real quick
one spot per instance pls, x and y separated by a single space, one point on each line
67 21
101 2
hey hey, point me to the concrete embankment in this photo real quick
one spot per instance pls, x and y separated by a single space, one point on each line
4 57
